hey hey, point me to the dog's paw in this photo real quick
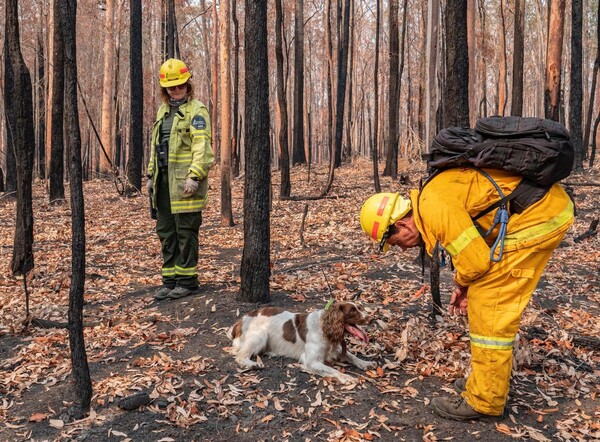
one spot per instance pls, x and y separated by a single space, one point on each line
346 379
366 365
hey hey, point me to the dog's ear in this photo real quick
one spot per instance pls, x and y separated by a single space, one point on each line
333 323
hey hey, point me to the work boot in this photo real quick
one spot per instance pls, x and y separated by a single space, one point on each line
162 293
460 385
455 408
179 292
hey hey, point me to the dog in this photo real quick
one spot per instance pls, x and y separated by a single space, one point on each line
311 338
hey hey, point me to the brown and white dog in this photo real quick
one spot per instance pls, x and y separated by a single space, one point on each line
311 338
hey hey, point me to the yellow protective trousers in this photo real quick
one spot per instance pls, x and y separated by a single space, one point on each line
495 304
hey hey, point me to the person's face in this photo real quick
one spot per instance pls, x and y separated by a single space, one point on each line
177 92
407 235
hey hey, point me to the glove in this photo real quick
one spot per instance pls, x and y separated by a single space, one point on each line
150 185
190 186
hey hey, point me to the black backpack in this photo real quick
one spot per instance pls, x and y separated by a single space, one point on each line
537 149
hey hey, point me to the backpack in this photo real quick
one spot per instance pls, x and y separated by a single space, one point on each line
537 149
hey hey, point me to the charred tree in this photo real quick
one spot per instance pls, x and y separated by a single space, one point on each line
285 187
9 117
576 90
255 266
136 102
516 107
391 167
80 369
57 149
235 136
456 91
298 154
21 127
374 150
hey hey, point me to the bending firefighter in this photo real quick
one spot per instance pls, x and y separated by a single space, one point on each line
497 292
180 158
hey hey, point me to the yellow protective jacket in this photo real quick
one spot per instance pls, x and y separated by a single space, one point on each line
190 154
444 209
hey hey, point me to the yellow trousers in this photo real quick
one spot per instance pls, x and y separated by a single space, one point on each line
495 304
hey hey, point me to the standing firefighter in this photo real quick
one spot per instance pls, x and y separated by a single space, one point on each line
497 289
181 156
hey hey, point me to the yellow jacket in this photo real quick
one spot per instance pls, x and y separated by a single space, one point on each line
190 154
444 209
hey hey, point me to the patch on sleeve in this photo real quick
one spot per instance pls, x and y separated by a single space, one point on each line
198 122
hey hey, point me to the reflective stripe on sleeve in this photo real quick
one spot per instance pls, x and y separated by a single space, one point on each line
462 241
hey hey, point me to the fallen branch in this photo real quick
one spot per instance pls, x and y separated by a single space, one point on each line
591 231
311 198
584 184
302 243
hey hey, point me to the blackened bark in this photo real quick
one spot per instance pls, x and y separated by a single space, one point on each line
136 103
57 149
576 92
516 107
284 155
255 265
21 128
81 373
342 76
375 148
394 93
456 91
40 144
235 146
171 40
9 116
298 154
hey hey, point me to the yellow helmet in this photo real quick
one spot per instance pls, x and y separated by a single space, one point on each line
379 212
173 72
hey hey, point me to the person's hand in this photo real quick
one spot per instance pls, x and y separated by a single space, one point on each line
150 185
458 301
190 186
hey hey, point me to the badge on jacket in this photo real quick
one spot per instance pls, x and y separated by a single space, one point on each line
198 122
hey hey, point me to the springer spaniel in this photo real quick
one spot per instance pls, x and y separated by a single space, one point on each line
311 338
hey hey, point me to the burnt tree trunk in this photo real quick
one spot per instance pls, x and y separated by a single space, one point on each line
516 107
136 102
9 116
375 146
456 92
81 373
57 150
255 266
391 167
576 90
285 187
298 154
235 137
23 139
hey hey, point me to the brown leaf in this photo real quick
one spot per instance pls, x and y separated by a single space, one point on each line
37 417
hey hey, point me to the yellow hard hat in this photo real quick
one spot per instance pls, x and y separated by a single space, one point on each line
173 72
379 212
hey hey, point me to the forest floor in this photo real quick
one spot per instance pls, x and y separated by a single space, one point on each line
178 350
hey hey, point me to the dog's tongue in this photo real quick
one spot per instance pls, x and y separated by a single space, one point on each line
356 332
